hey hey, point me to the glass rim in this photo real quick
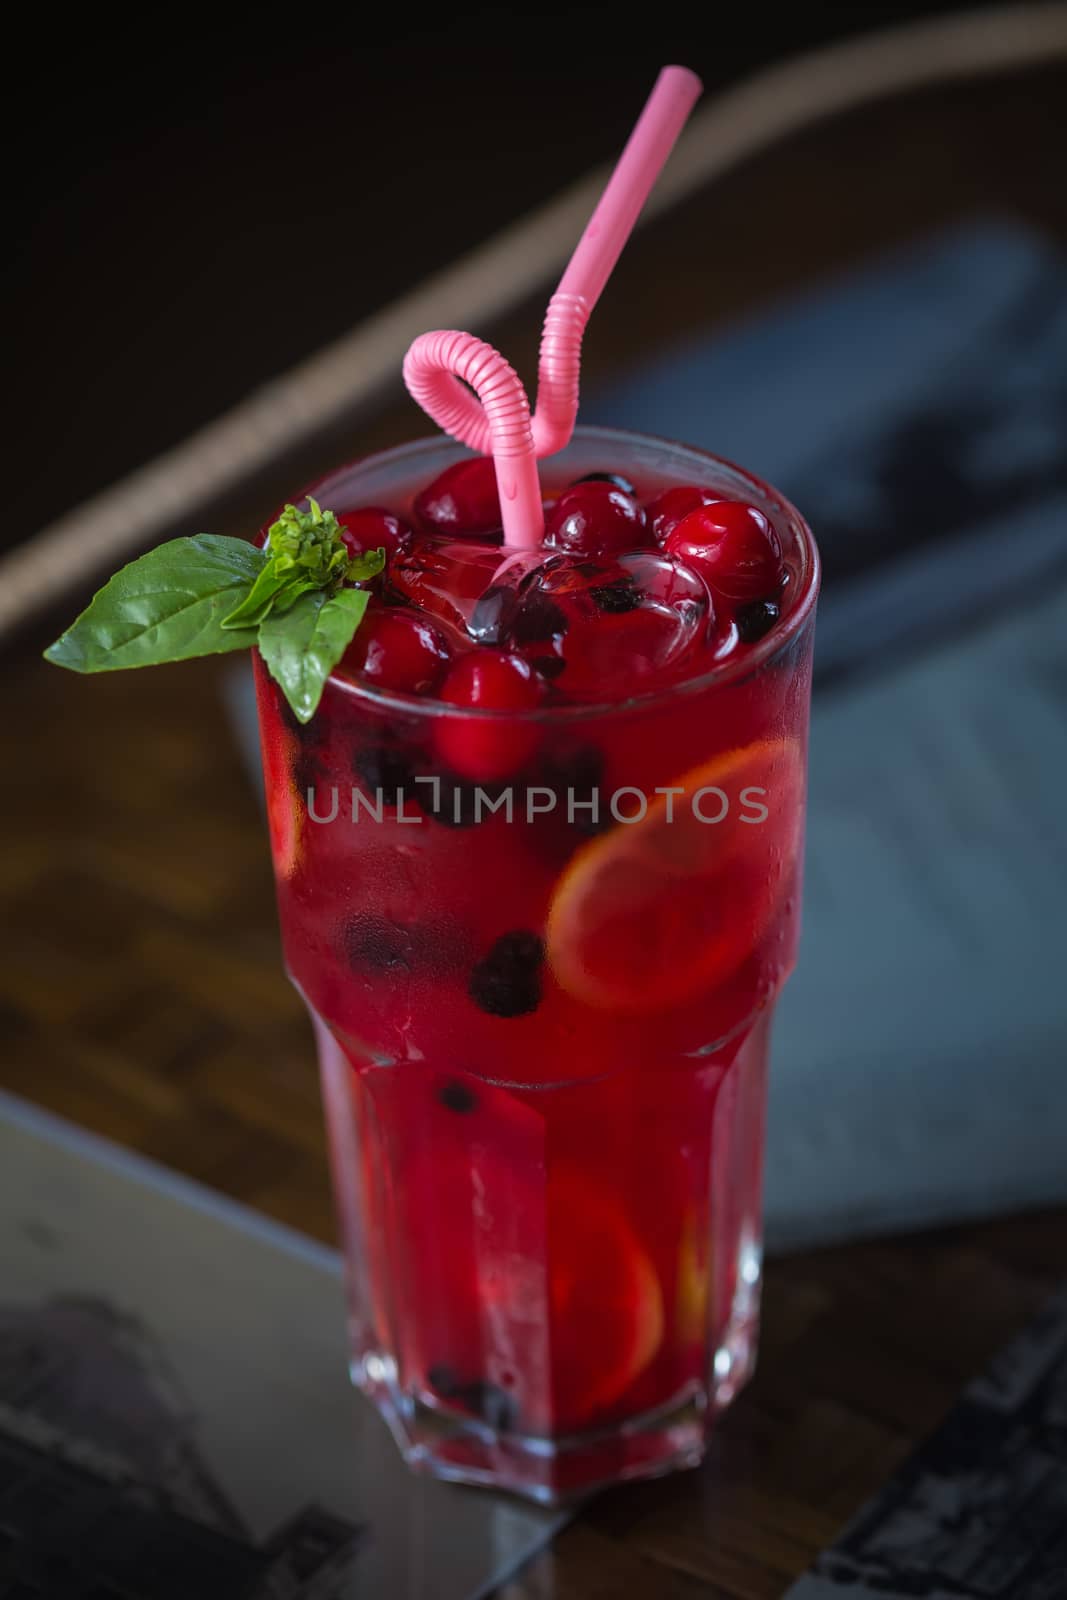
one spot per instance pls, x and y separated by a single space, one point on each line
734 668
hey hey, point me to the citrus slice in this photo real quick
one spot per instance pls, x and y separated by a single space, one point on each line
605 1301
665 907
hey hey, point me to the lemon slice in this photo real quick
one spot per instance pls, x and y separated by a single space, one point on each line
658 910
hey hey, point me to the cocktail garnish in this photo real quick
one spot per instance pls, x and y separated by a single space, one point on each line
207 594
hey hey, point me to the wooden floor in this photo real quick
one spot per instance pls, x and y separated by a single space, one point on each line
141 989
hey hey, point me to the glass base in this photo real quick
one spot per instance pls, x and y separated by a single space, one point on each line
486 1328
446 1444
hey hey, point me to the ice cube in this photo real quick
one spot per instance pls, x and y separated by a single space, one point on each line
445 577
598 627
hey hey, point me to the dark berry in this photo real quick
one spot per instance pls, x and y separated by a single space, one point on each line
485 1400
491 618
309 773
453 804
374 944
374 528
397 650
616 598
581 768
463 500
667 509
755 620
538 617
549 667
577 776
488 1401
485 749
508 981
615 478
595 519
459 805
455 1096
385 770
732 546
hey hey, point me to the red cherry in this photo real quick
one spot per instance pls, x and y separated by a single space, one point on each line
398 650
464 499
666 511
595 519
733 547
371 528
488 748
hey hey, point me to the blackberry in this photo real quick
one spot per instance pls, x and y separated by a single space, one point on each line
457 804
615 478
548 667
579 773
492 614
385 769
373 944
485 1400
508 981
755 620
455 1096
581 767
492 1404
443 1378
538 618
309 772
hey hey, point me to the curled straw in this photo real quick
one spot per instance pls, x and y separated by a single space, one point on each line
227 454
442 369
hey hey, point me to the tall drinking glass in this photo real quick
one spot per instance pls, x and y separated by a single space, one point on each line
542 1009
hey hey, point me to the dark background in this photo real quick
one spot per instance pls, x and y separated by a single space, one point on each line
198 206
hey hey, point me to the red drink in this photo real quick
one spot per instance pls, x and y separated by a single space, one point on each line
543 1018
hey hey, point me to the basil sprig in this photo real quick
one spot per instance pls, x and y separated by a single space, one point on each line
207 594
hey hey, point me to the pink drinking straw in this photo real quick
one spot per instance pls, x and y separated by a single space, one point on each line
672 99
433 369
496 419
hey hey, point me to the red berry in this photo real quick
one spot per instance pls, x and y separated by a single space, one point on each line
371 528
464 499
666 511
397 650
595 519
733 547
488 748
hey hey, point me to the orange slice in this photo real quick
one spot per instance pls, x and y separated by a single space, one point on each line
661 909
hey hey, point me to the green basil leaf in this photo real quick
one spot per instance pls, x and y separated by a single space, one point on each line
302 646
292 592
168 605
260 598
366 565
